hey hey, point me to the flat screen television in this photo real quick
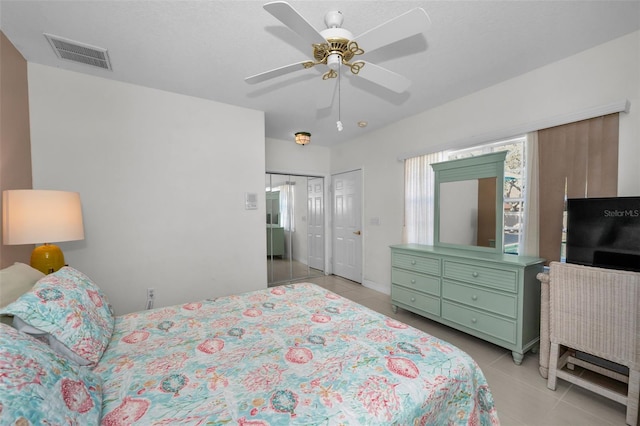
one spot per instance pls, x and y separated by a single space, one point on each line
604 232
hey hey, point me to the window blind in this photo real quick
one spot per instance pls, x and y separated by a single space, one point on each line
580 160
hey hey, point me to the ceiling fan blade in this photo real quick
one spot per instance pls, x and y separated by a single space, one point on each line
384 77
286 14
413 22
267 75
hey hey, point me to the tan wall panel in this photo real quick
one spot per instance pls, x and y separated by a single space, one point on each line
15 144
584 155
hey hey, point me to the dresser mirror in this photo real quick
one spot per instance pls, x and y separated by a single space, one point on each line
468 202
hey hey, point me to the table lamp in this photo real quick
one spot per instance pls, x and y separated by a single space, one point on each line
31 216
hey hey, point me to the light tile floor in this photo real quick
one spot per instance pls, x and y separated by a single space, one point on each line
520 393
282 269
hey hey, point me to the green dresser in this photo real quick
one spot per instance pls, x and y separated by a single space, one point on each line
493 296
275 240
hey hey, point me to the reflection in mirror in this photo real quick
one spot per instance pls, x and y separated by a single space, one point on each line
487 212
459 212
468 212
290 218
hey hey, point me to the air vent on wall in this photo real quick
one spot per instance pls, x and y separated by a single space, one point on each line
79 52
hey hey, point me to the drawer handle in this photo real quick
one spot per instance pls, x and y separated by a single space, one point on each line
474 297
413 281
473 320
413 262
413 299
475 275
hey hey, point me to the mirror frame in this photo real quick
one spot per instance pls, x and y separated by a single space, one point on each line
482 166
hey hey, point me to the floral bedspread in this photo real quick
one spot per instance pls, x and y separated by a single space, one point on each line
295 354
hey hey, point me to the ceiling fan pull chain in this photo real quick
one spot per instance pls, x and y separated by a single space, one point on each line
339 123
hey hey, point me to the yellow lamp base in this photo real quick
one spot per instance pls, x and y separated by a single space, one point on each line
47 258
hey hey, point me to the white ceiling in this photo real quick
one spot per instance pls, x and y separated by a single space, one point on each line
207 48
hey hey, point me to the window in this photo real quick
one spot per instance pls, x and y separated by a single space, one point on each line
513 188
574 160
418 198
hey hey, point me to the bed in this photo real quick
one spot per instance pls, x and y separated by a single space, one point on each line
294 354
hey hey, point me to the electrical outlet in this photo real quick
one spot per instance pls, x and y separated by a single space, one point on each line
151 294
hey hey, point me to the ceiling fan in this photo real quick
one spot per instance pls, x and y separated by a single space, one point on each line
336 46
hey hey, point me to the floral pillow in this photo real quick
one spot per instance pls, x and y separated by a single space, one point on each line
39 387
69 310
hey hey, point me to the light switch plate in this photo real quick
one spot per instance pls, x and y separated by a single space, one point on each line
250 201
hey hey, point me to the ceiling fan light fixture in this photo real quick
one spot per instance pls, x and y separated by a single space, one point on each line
303 138
334 60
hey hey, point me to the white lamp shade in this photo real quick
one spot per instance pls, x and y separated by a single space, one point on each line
32 216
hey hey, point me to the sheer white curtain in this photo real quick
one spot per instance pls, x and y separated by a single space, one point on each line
418 198
530 236
286 207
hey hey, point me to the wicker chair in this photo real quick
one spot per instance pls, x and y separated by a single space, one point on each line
545 342
595 311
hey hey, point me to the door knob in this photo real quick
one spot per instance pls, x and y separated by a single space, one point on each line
357 232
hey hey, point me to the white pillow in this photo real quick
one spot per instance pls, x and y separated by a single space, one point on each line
16 280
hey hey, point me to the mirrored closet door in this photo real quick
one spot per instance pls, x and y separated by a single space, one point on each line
294 227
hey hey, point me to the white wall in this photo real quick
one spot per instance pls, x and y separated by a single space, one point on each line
599 76
162 179
288 158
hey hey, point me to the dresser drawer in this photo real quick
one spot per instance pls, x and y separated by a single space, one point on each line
491 325
502 279
417 300
426 283
477 297
427 265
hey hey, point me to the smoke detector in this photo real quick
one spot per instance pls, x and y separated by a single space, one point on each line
75 51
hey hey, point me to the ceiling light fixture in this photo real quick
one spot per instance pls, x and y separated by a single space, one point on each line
303 138
362 123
